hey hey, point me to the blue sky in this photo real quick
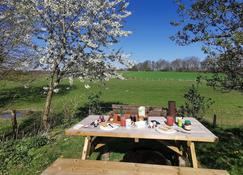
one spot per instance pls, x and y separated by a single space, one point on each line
150 24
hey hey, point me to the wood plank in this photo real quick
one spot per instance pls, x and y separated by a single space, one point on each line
151 111
136 140
99 145
193 154
94 167
86 147
173 147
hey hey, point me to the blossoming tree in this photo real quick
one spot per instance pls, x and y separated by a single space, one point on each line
15 46
73 37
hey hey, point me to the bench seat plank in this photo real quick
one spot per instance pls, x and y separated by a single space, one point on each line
94 167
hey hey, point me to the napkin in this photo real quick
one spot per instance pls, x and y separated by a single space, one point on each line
78 126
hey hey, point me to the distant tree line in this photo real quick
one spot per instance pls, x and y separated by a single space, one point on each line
185 64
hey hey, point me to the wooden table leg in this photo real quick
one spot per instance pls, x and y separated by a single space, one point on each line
193 154
136 140
173 146
86 148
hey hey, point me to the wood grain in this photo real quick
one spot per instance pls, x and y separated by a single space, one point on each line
94 167
199 133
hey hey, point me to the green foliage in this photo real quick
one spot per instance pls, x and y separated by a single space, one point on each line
94 103
20 152
226 154
218 25
196 104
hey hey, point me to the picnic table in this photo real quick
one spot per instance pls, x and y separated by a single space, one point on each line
198 133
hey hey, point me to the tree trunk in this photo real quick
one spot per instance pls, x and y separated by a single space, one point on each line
47 108
52 85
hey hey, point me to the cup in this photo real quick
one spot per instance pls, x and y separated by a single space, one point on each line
180 122
128 123
170 121
123 121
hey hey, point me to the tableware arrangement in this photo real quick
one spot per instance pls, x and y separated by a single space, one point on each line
170 120
138 120
187 125
141 124
165 129
108 126
128 123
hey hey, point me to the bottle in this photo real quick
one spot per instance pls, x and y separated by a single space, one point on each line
123 121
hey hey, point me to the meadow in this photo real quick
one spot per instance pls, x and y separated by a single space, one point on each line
34 153
141 88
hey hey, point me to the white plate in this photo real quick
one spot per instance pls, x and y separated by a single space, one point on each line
78 126
109 128
140 124
169 131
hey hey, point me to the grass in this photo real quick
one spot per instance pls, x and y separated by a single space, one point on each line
145 88
149 90
157 75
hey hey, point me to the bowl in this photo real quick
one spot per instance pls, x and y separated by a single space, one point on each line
140 124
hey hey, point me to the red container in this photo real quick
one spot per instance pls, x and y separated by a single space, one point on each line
170 120
123 121
117 118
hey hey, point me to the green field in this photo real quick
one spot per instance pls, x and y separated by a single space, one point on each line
31 155
156 75
145 88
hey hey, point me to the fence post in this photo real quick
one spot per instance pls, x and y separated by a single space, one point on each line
14 123
214 121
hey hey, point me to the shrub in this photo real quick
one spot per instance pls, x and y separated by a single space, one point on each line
20 152
195 103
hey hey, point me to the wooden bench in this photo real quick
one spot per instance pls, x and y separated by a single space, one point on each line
150 111
94 167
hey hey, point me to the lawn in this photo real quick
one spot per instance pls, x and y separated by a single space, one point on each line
155 89
157 75
145 88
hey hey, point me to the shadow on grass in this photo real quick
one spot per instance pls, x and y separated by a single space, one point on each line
31 94
227 153
145 151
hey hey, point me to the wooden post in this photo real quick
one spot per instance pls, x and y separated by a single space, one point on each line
14 123
214 121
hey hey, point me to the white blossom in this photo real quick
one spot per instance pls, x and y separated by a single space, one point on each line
70 81
45 88
25 63
56 90
87 86
55 84
76 44
81 79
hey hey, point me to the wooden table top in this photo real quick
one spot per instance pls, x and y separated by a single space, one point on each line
199 133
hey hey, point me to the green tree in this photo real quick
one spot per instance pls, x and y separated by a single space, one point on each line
218 25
